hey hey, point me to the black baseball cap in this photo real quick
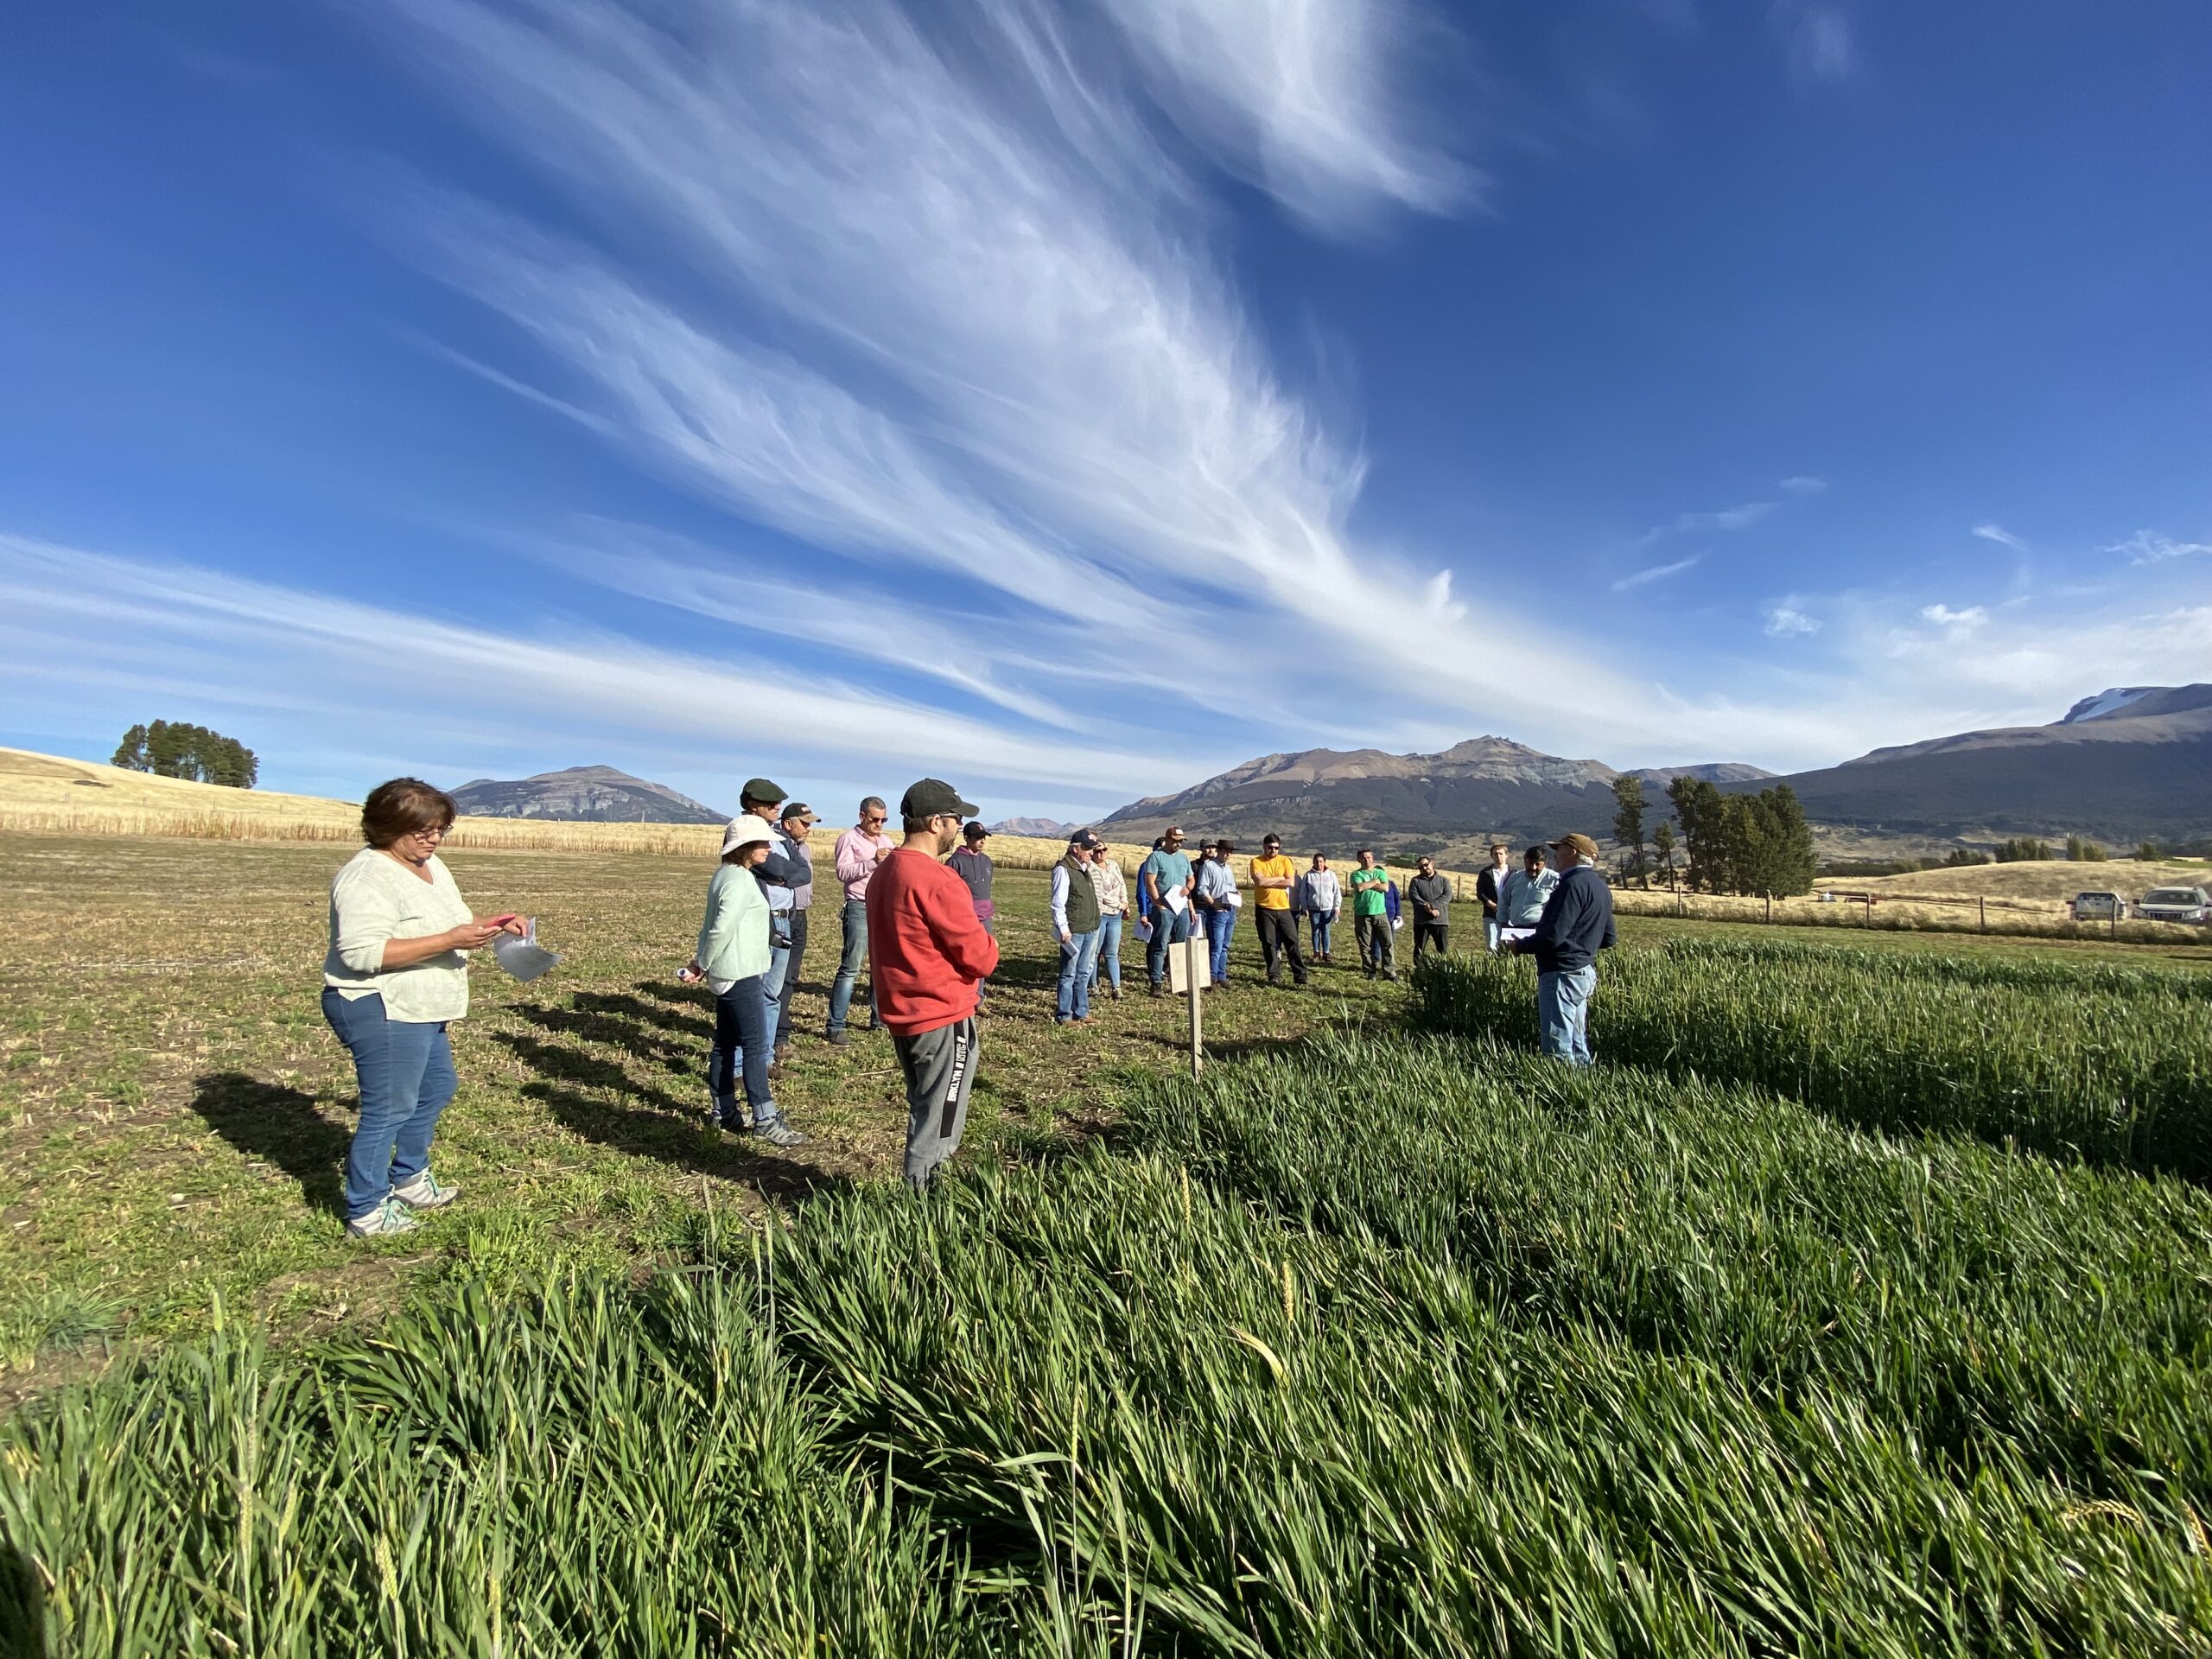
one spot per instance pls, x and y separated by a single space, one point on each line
796 811
760 790
1084 839
934 798
974 831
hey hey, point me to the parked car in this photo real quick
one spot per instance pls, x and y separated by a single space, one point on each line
2176 905
2099 907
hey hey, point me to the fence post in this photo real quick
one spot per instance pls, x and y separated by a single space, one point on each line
1982 903
1190 977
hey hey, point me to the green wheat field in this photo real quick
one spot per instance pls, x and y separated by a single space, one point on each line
1858 1302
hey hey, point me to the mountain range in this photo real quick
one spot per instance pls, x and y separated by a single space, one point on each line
2128 764
1483 787
1047 829
586 794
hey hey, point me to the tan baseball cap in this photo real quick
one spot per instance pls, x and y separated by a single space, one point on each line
1577 842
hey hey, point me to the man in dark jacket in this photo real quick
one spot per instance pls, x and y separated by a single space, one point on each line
1577 924
1490 887
974 867
1430 894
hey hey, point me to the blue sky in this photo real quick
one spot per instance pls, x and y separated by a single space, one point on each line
1074 401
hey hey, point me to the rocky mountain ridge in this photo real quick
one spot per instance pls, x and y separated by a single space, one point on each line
583 794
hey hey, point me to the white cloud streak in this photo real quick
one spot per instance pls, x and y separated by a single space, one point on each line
1818 39
75 614
1650 574
1016 342
2001 536
1787 620
2152 547
1300 97
1959 623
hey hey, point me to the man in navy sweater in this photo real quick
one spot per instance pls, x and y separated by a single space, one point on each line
1577 924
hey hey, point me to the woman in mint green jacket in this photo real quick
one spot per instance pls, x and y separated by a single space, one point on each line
733 958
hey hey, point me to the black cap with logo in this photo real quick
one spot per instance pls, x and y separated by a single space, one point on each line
934 798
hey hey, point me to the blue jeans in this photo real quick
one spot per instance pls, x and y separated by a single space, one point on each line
849 966
1168 927
1563 1013
1107 964
405 1071
1078 957
1221 926
1321 924
788 964
744 1019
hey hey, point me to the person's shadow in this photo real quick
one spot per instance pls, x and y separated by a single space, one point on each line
23 1607
284 1127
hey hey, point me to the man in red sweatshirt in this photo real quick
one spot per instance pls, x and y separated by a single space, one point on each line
928 951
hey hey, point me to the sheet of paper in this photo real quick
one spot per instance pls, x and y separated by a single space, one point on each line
524 958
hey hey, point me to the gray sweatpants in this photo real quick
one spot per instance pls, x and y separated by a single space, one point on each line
939 1066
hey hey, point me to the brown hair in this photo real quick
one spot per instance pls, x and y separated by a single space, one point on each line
402 807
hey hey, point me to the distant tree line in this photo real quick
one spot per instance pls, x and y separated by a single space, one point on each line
1745 843
171 749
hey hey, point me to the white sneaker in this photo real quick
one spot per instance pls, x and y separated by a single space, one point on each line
424 1192
389 1217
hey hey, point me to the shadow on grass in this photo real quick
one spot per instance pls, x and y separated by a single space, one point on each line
282 1125
553 1062
685 1140
618 1004
622 1031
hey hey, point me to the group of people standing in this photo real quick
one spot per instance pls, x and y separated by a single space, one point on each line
1179 898
925 924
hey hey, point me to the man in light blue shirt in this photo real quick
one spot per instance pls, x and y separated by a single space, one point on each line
1521 901
1165 880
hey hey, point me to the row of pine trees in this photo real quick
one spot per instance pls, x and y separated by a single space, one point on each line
1757 844
171 749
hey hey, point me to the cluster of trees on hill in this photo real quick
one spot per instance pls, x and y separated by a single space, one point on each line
1757 844
171 749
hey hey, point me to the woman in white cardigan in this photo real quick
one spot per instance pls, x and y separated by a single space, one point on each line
734 959
396 977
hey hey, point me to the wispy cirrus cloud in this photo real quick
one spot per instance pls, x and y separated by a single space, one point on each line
83 616
1789 620
1304 98
1802 483
1818 39
1741 517
1957 623
2154 547
1650 574
2001 536
1004 344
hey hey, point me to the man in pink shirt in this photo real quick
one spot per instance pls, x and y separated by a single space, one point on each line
859 850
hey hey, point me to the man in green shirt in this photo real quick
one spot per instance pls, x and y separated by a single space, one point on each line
1371 916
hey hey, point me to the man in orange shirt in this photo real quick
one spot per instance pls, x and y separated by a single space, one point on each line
927 951
1273 877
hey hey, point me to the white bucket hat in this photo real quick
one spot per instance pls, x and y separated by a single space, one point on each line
743 832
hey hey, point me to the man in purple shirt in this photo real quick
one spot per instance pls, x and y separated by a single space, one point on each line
859 850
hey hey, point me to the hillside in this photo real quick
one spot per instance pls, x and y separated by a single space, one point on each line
2129 765
583 795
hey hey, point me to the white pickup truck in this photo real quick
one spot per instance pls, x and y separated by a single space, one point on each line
2189 905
